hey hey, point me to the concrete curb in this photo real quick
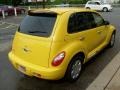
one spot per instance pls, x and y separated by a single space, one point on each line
105 77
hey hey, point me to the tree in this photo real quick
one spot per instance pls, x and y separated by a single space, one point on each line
16 2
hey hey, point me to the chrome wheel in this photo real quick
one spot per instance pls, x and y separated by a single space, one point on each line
76 69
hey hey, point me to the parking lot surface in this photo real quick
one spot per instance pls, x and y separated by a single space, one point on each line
11 79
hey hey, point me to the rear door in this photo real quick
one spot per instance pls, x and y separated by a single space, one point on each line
102 29
82 29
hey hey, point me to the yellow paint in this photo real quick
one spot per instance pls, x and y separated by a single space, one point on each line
42 50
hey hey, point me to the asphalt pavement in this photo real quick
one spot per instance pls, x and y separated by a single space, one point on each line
11 79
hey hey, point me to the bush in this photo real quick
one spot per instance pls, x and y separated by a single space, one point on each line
78 1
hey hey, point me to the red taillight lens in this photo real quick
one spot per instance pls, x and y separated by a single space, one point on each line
58 59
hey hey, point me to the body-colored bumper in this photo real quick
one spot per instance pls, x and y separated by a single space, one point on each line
38 71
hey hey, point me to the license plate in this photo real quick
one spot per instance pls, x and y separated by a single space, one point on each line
21 68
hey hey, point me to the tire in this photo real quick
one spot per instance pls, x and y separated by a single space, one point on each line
87 7
105 9
74 68
112 41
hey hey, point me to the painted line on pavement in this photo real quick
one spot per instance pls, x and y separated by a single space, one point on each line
9 26
9 23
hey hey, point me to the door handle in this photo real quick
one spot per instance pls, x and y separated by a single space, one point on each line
82 38
99 32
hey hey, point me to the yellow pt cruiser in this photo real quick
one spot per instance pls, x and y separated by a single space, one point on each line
55 43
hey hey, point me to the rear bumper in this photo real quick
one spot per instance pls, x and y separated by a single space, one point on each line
37 71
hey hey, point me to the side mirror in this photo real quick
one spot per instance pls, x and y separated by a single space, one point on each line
106 22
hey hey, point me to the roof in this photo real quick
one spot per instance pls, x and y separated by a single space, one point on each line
60 10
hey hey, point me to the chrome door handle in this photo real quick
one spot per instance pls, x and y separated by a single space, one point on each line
82 38
99 32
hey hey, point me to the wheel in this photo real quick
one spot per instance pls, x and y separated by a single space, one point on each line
112 40
74 68
105 9
87 7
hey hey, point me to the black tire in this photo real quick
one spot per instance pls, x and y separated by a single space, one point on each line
87 7
75 64
105 9
112 40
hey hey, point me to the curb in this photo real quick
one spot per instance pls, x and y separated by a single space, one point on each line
105 77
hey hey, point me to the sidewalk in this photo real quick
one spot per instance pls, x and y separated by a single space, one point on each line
109 78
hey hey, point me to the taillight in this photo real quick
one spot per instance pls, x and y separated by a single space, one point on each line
58 59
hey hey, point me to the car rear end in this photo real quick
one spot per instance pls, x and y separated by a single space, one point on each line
32 43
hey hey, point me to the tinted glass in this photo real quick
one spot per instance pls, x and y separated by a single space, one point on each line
40 25
98 19
97 3
91 22
80 22
91 3
72 24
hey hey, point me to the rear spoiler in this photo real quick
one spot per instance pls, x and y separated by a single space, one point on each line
42 13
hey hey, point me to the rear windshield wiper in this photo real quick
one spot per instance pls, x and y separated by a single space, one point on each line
37 32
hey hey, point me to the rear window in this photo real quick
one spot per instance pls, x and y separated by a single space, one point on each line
38 24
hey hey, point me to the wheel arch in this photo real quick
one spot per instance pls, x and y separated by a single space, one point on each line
80 54
111 31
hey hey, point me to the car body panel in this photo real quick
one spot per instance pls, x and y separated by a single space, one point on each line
45 49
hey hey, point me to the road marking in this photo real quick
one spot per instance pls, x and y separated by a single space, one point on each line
9 23
5 25
9 27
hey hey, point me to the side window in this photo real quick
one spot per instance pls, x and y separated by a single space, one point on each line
97 3
77 23
90 3
98 19
72 24
90 21
80 22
